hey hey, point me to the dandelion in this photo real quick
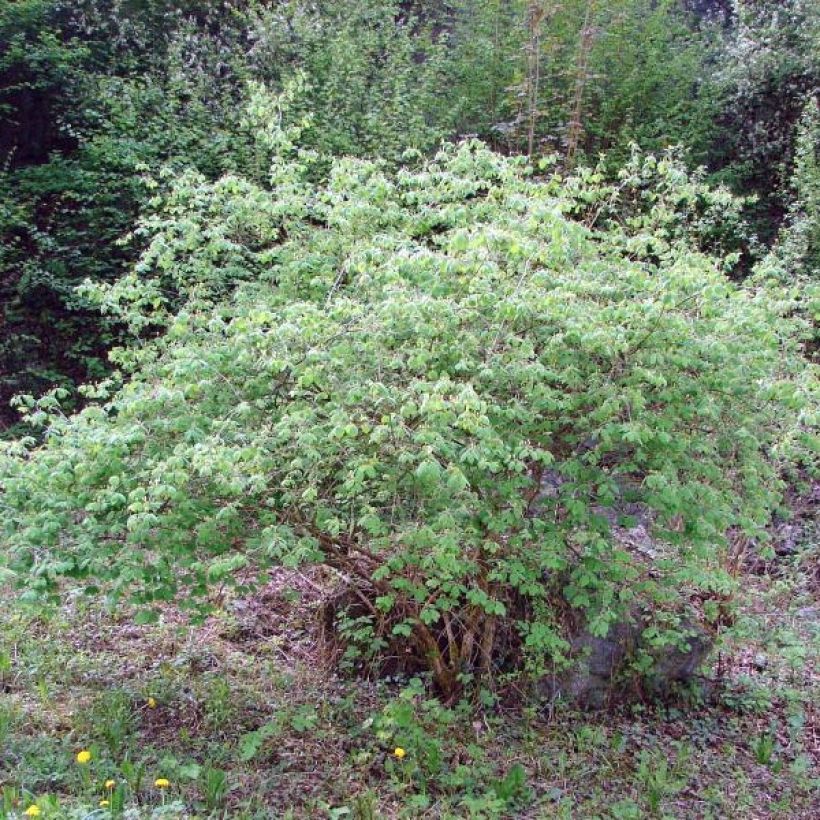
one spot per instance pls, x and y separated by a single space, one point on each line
32 811
83 757
109 784
162 783
104 804
152 703
399 752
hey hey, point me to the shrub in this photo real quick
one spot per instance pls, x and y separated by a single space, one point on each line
436 381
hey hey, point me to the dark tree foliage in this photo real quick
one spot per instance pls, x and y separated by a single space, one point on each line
86 101
768 71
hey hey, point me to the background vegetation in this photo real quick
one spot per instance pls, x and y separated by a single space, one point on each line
93 94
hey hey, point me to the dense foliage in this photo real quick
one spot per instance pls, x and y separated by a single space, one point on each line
437 382
770 70
444 378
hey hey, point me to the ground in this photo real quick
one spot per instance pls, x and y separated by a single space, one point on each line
246 716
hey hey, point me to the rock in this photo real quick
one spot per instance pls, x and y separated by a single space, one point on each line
596 661
808 613
786 540
599 675
680 663
599 672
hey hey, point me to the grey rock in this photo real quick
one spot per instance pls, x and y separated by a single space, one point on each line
809 613
680 663
786 540
598 671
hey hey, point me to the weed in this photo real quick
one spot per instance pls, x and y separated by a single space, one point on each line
763 747
8 720
218 705
365 806
214 785
657 779
112 719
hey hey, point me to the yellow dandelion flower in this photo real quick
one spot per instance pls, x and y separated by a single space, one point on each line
399 752
32 811
109 784
83 757
152 703
104 804
162 783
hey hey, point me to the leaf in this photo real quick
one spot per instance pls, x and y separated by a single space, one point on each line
428 472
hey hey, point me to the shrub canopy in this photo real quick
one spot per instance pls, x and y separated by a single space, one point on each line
439 382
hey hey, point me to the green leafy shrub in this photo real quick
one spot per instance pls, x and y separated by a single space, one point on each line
437 381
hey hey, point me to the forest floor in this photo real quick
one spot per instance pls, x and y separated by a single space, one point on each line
244 718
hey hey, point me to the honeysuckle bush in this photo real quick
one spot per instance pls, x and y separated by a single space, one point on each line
436 382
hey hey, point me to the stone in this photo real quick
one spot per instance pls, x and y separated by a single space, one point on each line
680 663
598 673
760 662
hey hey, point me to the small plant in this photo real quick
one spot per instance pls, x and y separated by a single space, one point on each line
365 806
425 756
251 743
214 785
658 780
8 719
417 726
113 719
748 697
304 719
218 705
512 786
134 774
590 737
626 810
481 806
10 797
794 652
763 747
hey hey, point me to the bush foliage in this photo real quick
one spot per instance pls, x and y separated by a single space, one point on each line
435 381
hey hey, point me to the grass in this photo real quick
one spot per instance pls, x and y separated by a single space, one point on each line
245 720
